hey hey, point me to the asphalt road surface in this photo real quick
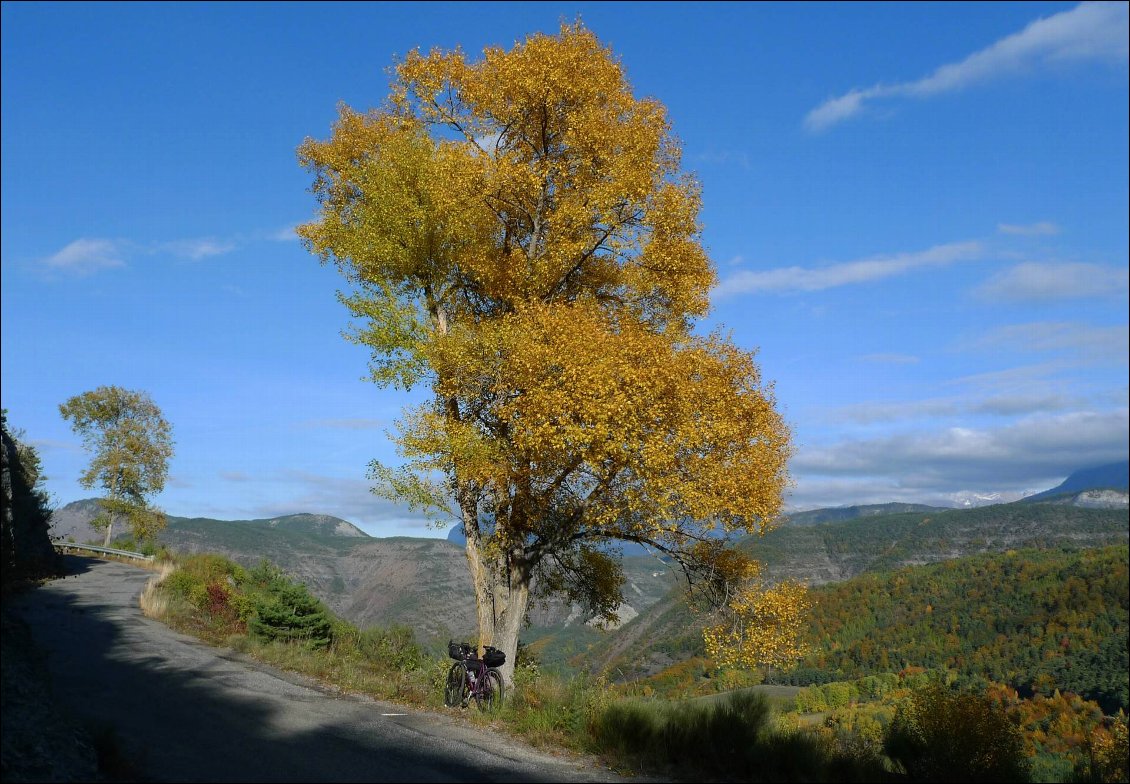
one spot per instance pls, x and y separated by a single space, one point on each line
184 711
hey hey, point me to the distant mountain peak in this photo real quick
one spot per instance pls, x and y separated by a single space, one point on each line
327 525
73 520
1112 476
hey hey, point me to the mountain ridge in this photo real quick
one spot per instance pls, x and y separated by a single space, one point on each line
423 582
1111 476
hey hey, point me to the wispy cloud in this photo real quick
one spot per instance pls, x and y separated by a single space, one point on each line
849 273
1003 405
1039 281
1013 378
1085 341
88 255
235 476
53 445
1041 445
1042 228
196 249
730 158
1095 32
85 256
286 234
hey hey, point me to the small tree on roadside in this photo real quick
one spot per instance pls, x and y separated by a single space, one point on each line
131 444
520 238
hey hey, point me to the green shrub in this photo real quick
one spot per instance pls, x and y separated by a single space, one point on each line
735 739
286 612
393 647
192 580
840 693
811 699
629 728
943 735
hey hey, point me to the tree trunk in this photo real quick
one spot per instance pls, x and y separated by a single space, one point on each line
109 530
508 626
480 580
501 597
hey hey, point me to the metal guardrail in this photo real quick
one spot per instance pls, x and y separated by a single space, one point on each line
63 546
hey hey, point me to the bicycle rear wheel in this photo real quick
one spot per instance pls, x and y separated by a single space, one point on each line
489 694
455 690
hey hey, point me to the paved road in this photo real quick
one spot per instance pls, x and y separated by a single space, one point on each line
185 711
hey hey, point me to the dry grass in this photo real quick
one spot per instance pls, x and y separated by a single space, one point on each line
155 602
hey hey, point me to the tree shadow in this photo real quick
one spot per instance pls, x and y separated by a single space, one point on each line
176 709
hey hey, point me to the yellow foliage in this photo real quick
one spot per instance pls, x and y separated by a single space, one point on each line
762 625
518 235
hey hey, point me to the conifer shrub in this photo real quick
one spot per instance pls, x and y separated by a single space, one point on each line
286 612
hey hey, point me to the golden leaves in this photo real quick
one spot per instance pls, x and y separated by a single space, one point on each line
533 174
762 625
519 234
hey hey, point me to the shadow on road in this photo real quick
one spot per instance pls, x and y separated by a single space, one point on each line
183 711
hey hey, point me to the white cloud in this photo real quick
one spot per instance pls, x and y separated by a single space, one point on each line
1005 405
86 256
1023 404
286 234
1011 456
1082 340
836 110
43 445
1022 377
1038 281
848 273
1095 32
197 249
818 493
1029 230
869 413
731 158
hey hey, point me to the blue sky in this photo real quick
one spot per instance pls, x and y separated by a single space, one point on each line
918 214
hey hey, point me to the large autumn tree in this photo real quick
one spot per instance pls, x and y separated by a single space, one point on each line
130 443
519 237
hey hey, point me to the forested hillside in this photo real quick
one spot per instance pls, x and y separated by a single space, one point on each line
1034 620
835 552
1037 621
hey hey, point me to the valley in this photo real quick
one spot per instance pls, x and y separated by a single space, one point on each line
423 583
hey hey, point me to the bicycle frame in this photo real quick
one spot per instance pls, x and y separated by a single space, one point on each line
470 678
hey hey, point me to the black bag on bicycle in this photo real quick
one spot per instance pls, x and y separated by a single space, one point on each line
460 651
493 657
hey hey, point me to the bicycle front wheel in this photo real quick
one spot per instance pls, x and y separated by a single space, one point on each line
455 689
489 695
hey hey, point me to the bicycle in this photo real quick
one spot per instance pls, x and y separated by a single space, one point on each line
474 678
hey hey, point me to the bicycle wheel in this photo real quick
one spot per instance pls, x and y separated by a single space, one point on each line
489 695
455 689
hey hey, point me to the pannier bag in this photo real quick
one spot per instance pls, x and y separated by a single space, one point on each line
494 657
460 651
